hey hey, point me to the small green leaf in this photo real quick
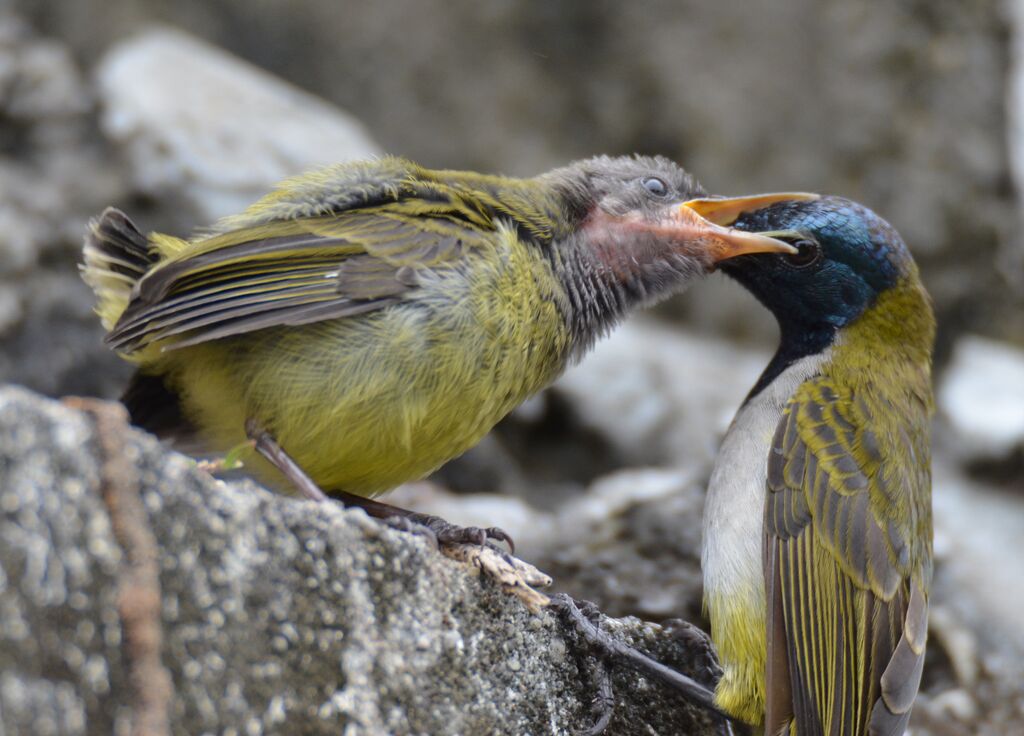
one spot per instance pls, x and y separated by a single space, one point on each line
233 458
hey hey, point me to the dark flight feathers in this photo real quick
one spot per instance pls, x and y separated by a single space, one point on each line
847 607
287 262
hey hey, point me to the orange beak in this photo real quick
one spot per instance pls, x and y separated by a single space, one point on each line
709 219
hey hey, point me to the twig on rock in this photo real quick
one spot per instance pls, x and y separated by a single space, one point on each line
515 577
138 595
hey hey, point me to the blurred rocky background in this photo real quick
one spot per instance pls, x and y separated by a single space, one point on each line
179 112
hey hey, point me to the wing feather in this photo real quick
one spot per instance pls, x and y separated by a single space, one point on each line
222 305
846 568
306 270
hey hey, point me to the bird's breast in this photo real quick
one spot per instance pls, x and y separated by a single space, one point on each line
369 402
731 555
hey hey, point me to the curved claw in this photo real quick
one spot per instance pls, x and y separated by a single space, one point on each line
501 535
448 533
451 534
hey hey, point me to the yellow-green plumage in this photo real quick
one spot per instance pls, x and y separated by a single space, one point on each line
818 547
869 405
377 318
853 558
405 390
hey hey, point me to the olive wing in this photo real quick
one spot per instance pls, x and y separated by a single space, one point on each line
290 272
847 559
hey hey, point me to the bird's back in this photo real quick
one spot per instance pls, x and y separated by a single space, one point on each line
402 309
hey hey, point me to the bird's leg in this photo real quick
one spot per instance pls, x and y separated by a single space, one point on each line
268 447
603 705
614 651
465 544
444 531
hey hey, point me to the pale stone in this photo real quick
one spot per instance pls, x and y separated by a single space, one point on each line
175 104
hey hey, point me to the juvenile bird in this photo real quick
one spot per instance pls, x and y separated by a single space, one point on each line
817 554
369 321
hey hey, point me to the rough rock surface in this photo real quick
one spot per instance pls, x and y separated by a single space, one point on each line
136 587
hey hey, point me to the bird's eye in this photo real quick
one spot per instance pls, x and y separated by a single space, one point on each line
655 186
808 253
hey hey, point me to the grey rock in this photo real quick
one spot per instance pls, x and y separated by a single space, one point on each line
260 613
981 395
661 394
173 104
629 542
53 176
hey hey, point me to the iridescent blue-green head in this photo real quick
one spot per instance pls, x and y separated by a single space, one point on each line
847 260
847 256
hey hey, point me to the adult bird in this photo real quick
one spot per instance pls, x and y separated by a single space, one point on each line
367 322
817 553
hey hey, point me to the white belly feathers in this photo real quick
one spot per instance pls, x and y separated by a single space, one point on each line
734 509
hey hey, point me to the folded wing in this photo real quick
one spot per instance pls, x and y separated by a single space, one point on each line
847 561
257 271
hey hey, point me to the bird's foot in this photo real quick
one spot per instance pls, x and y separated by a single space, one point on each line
584 619
469 545
448 533
473 545
602 707
696 640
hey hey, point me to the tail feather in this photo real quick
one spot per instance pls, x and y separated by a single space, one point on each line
116 255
